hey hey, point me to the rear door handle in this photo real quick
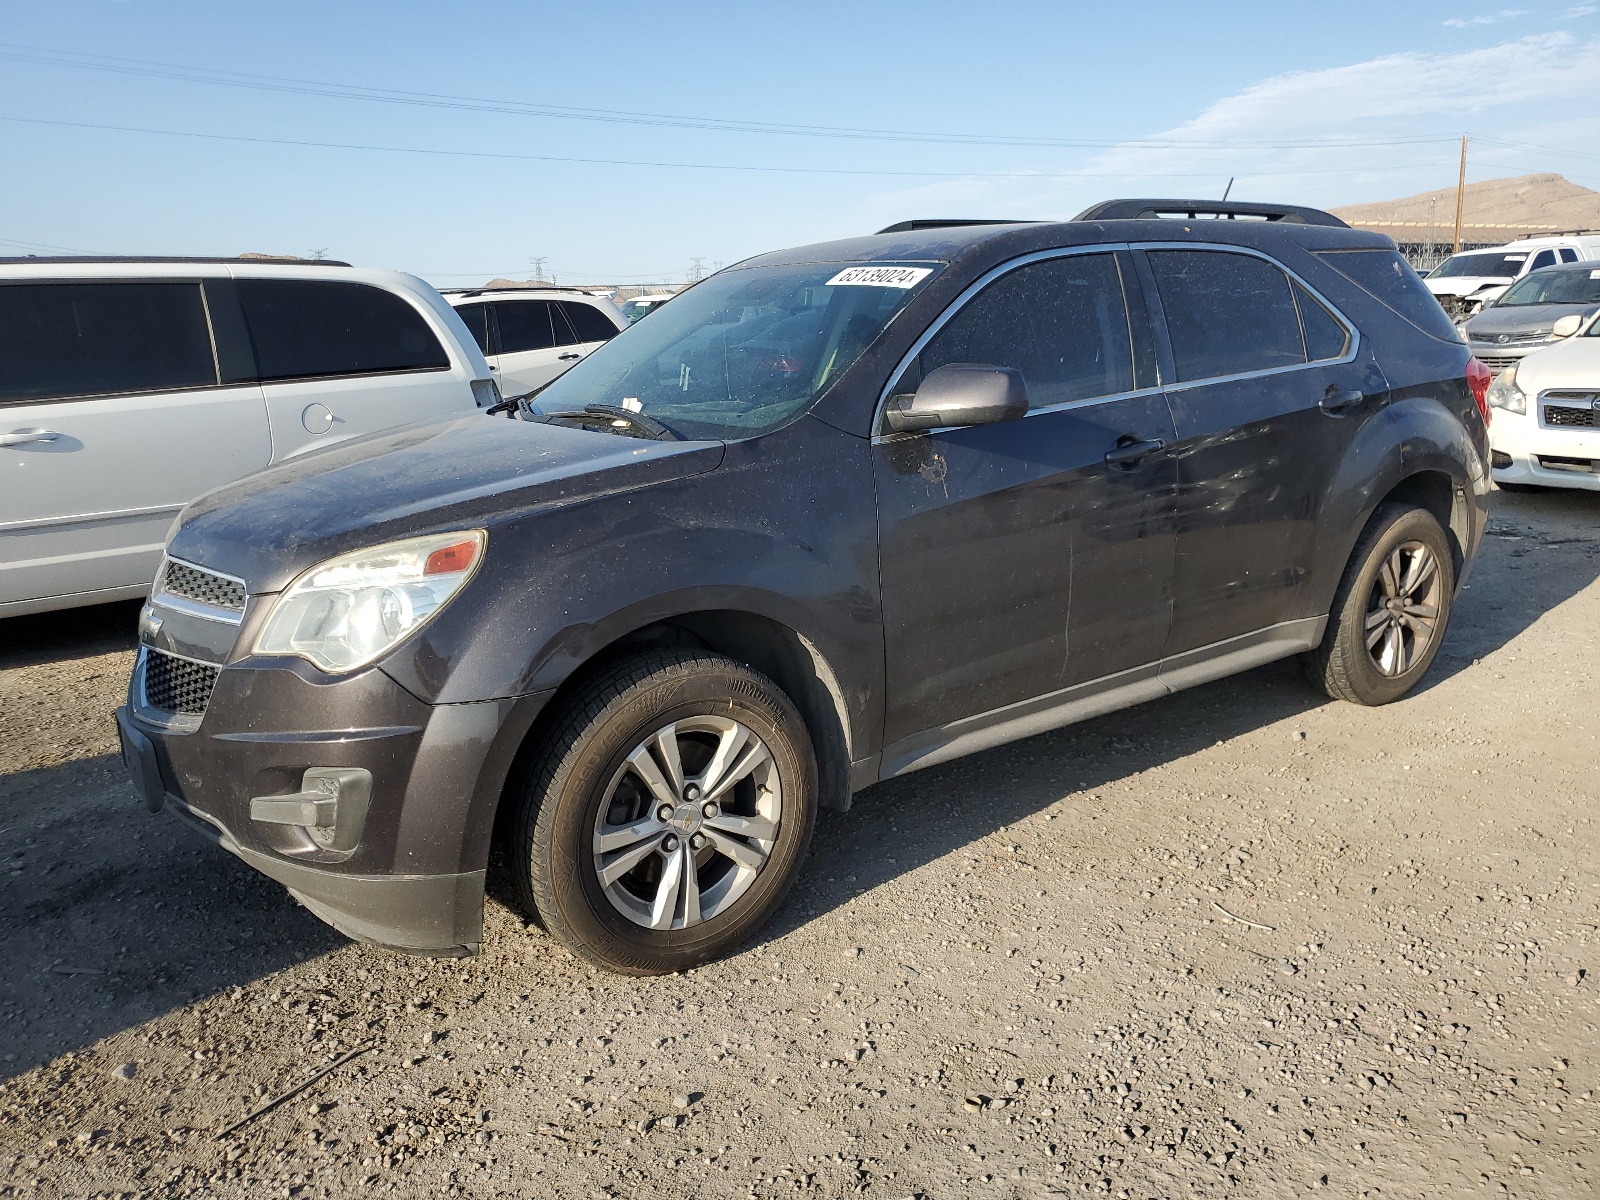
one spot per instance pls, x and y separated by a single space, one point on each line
568 357
1336 399
23 437
1130 449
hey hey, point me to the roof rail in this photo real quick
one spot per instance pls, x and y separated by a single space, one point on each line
1226 210
520 287
157 258
937 223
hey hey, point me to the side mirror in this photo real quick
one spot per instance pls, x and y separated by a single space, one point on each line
960 394
1568 325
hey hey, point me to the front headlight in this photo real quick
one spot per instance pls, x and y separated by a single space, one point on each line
343 613
1504 392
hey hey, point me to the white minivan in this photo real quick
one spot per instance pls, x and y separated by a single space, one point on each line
532 335
128 387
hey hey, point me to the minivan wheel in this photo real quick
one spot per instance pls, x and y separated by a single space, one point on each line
667 814
1390 612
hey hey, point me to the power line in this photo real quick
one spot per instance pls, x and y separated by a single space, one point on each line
696 166
240 79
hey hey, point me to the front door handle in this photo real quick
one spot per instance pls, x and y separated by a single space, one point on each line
23 437
1130 449
569 357
1336 399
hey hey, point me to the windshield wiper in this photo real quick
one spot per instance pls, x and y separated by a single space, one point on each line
608 416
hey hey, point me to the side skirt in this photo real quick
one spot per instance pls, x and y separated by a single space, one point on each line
1097 697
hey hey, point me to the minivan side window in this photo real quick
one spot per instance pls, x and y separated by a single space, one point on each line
524 325
1227 314
588 322
476 318
308 328
59 340
1062 322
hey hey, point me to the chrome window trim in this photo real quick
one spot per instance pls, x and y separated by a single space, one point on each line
1351 351
960 302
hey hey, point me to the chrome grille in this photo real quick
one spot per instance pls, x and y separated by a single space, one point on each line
204 587
1568 418
177 685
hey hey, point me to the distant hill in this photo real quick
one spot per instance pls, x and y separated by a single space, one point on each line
1493 211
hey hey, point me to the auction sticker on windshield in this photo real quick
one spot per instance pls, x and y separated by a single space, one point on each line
895 277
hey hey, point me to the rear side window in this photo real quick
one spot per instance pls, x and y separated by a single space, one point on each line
1387 277
1545 258
588 322
304 328
1062 322
87 339
1227 314
524 325
1325 337
476 318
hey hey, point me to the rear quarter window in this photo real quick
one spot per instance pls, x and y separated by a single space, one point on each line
1388 278
86 339
306 328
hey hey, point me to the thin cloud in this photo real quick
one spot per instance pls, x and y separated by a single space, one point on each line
1505 14
1580 10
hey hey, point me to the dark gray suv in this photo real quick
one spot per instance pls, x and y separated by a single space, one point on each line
835 514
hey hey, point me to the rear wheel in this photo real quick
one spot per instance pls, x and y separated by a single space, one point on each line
1390 612
668 814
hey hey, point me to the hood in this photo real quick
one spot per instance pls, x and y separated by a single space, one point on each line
1465 285
1571 363
1522 319
463 472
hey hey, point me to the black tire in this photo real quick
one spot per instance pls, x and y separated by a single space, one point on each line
553 837
1343 666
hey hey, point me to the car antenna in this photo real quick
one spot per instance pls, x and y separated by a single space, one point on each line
1229 188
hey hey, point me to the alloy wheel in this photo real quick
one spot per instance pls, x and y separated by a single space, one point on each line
687 822
1403 608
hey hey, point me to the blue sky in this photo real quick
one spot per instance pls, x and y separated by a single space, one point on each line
1027 110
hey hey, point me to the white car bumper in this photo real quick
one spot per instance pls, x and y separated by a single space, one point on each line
1563 453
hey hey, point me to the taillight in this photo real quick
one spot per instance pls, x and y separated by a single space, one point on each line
1479 377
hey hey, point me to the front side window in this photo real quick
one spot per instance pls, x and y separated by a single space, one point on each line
524 325
1227 314
1062 322
307 328
588 322
88 339
745 350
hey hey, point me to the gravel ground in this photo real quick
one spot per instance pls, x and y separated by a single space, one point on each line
1240 942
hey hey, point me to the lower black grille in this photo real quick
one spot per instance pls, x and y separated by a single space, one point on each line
1568 418
1499 362
177 685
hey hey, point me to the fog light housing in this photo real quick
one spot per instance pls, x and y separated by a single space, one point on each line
331 806
1499 460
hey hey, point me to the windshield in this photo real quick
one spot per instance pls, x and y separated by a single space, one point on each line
1494 266
634 309
1553 287
743 351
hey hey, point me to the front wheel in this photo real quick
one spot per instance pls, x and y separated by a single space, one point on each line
1390 612
668 813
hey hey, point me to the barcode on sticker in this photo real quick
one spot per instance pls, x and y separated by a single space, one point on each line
894 277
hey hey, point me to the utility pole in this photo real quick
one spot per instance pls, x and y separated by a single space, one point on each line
538 268
1461 192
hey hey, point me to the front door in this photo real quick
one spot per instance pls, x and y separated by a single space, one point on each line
1016 559
112 418
1269 389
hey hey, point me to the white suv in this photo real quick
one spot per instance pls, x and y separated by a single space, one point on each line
128 387
532 335
1465 283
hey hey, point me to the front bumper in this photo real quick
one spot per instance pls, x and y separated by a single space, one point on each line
1543 456
414 878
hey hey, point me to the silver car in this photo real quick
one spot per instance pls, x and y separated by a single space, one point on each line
129 387
1541 308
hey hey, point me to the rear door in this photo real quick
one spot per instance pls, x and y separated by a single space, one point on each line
535 344
1269 387
338 358
589 325
1015 560
113 416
